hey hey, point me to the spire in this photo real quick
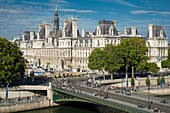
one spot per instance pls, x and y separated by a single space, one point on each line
56 12
56 21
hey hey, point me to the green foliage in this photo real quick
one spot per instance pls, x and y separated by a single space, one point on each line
166 63
148 81
158 81
114 62
132 82
78 69
163 80
31 74
12 62
134 53
153 67
130 52
48 64
97 59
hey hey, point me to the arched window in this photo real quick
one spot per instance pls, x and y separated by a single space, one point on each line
98 42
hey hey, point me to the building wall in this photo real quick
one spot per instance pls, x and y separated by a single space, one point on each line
70 49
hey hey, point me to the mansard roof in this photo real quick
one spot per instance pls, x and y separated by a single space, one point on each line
156 31
27 35
129 31
105 25
42 32
59 33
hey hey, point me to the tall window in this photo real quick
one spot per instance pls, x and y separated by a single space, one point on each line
98 42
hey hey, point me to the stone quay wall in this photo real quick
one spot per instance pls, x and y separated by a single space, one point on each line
27 106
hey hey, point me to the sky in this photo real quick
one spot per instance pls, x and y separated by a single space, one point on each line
17 16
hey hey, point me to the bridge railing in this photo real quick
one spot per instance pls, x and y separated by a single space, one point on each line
100 101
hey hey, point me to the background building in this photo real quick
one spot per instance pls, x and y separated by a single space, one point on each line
66 48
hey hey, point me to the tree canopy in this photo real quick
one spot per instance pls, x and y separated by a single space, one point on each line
131 52
166 63
148 81
134 54
114 61
153 67
97 59
12 62
132 82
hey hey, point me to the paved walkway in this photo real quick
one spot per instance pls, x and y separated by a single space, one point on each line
124 103
139 97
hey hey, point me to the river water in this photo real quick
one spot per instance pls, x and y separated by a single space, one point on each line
76 107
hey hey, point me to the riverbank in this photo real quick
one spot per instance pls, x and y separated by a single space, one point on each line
24 106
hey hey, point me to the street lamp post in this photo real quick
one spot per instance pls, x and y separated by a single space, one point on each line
122 84
149 97
100 88
161 80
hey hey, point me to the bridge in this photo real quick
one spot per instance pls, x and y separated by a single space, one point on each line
63 95
58 95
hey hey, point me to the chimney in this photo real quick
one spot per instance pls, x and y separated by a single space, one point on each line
125 31
38 36
150 31
74 27
133 31
114 22
32 35
47 30
83 34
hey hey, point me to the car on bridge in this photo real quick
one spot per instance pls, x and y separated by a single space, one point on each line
128 93
164 101
156 110
141 106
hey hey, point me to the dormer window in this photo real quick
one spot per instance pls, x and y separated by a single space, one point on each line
111 30
161 33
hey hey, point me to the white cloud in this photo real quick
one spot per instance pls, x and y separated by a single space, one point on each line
126 3
32 2
149 12
62 1
78 11
11 11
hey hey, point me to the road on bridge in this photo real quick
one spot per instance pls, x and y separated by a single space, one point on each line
124 98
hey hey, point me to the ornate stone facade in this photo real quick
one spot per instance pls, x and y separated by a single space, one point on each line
65 48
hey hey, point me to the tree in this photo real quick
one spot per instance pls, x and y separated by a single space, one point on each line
158 81
97 60
78 69
148 81
134 54
114 61
163 80
153 67
32 74
132 82
39 62
166 63
48 64
12 62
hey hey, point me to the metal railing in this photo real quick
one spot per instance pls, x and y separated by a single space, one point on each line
100 101
14 101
